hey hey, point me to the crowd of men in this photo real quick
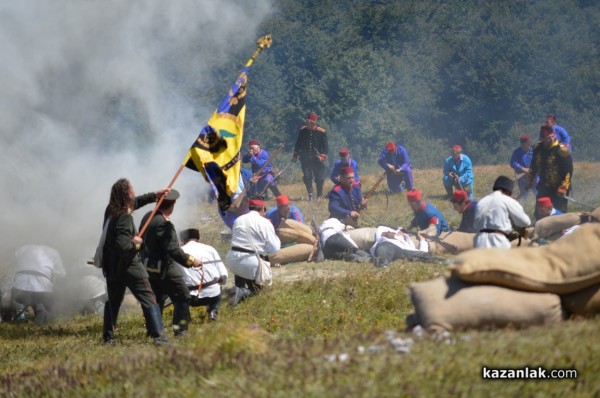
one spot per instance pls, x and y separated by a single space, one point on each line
157 264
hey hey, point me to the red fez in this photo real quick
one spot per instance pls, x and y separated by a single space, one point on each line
544 202
459 196
551 117
344 152
344 171
282 200
253 142
256 203
313 117
525 137
457 148
546 130
414 195
390 146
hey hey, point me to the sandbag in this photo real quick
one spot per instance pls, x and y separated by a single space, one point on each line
452 243
291 254
363 237
596 215
288 235
585 302
551 228
451 304
562 267
296 225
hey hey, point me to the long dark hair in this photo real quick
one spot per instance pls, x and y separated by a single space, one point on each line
120 202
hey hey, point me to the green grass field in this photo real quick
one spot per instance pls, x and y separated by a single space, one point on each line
322 330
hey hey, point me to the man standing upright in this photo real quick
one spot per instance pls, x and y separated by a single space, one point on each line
160 253
394 160
520 161
312 149
458 173
553 163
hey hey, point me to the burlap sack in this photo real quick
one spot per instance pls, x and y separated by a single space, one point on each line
585 302
363 237
552 227
296 225
451 242
596 215
451 304
291 254
565 266
288 235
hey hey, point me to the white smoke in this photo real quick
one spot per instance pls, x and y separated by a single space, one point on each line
79 80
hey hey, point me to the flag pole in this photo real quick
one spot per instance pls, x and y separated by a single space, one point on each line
262 43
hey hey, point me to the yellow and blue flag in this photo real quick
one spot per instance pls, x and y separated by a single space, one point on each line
216 152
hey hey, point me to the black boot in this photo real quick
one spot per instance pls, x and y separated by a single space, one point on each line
110 321
154 325
41 315
181 318
241 294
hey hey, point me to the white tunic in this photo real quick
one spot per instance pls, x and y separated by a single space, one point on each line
497 212
253 232
35 268
403 241
211 270
333 226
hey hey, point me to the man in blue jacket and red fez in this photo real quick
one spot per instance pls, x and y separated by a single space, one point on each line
344 161
345 199
283 211
458 173
427 218
394 160
463 205
258 182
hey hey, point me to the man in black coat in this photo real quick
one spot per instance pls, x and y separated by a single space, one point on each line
161 251
312 149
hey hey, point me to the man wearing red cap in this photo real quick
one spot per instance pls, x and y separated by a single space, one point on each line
251 234
463 205
394 160
520 161
544 208
345 199
312 148
553 164
458 173
344 161
426 216
259 181
283 211
561 134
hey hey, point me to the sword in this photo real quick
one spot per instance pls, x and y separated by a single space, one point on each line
570 199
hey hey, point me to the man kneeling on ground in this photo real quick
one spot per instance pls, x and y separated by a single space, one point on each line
204 283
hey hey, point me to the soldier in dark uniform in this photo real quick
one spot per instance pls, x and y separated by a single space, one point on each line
121 264
161 251
312 149
553 163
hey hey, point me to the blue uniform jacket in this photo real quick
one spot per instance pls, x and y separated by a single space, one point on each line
468 219
427 216
520 159
398 159
337 167
463 169
257 162
342 202
294 214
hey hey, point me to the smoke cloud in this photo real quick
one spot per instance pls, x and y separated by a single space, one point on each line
92 91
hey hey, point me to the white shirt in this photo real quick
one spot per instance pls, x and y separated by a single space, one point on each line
35 268
403 241
497 212
212 269
333 226
253 232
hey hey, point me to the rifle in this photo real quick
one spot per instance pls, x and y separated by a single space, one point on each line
275 176
316 246
377 182
238 201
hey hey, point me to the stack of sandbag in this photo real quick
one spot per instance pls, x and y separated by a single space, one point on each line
569 267
363 237
552 227
297 242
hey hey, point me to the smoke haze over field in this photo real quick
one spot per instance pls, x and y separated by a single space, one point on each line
93 91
